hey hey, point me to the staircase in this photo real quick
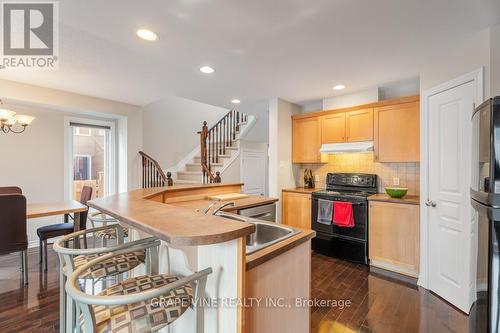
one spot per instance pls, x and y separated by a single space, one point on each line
219 147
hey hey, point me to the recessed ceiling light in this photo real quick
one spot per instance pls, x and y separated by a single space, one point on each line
236 101
339 87
147 34
207 70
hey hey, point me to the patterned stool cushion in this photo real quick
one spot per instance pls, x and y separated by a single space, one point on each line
143 316
113 266
110 233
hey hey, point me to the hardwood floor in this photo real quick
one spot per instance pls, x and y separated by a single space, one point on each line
379 304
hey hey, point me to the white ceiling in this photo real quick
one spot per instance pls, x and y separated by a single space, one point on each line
294 49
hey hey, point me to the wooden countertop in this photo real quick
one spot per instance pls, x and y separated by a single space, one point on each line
37 210
407 199
302 190
142 209
268 253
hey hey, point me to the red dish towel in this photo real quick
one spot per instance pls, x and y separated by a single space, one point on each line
342 214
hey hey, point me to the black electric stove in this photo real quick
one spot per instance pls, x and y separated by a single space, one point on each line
348 243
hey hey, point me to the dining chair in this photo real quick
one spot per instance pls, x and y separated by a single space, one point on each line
145 303
71 258
10 190
13 237
60 229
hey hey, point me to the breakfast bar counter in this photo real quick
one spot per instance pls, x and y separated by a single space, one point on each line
236 247
157 211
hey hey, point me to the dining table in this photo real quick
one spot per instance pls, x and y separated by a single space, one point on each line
45 209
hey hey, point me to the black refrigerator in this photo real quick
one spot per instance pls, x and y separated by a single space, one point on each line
485 193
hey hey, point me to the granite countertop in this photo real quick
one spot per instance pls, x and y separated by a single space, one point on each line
407 199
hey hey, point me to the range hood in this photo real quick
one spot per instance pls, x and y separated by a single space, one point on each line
347 147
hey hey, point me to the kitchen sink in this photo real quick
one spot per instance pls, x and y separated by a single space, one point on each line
265 234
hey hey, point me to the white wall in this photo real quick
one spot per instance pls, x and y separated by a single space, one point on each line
281 169
495 60
170 127
402 88
260 110
456 59
34 160
348 100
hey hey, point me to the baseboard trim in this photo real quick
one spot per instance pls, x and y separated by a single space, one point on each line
393 268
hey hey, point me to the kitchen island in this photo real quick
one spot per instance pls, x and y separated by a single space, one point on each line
193 240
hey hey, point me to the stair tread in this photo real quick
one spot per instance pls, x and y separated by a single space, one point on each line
198 164
190 172
182 181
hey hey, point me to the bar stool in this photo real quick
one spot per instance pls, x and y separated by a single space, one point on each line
71 258
128 306
101 219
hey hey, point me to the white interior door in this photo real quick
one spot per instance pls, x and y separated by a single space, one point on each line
254 171
449 176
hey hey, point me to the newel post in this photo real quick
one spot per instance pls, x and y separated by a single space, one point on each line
170 181
203 147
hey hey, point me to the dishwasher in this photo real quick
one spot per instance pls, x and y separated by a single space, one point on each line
265 212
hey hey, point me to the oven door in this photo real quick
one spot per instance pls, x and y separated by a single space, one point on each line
360 230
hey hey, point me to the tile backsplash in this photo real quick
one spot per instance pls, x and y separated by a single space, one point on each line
408 173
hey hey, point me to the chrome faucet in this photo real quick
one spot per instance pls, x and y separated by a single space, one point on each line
210 205
222 206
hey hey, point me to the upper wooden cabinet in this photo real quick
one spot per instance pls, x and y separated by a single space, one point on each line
359 125
333 128
393 125
397 133
347 126
306 134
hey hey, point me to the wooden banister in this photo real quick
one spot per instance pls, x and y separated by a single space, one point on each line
214 142
152 173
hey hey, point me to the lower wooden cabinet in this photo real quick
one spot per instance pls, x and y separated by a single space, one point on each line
394 237
296 209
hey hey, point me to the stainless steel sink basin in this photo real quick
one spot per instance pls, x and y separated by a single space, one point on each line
266 233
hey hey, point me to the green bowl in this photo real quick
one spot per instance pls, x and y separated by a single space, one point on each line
396 192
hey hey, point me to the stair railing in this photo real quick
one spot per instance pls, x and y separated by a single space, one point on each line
214 142
152 174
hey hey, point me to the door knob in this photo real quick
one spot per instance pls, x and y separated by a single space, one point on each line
430 203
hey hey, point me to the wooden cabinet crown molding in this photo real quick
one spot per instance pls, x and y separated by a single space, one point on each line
379 104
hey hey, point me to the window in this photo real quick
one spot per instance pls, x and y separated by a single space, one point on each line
82 167
82 131
90 159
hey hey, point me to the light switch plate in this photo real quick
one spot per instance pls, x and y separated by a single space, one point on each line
316 178
395 181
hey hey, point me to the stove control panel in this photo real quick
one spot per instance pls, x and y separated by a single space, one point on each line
351 179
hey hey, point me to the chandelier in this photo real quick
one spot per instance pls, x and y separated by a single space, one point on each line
10 122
